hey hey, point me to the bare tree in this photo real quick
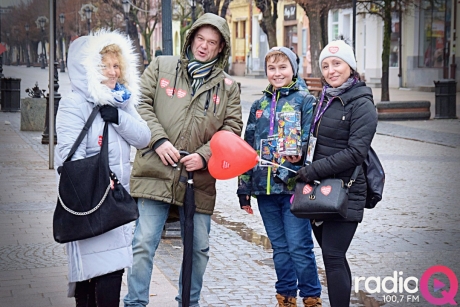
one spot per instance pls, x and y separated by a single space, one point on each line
211 6
269 10
384 10
317 12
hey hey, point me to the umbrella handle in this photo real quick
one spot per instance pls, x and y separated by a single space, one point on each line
186 153
183 153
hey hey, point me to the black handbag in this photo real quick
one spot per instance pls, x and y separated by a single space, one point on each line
91 200
325 199
375 177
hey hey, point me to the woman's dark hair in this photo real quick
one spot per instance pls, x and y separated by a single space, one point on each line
354 74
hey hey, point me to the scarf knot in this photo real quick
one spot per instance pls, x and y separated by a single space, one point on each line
337 91
198 71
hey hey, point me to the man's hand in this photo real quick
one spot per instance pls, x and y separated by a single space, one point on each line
192 162
168 154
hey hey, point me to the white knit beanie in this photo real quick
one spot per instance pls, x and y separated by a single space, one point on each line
341 50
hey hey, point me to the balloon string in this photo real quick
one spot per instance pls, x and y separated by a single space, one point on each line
276 164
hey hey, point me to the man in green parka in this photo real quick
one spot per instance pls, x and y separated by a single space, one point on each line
185 100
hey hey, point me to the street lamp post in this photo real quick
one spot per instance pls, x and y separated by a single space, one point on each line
52 100
42 21
27 44
88 12
62 45
193 11
126 7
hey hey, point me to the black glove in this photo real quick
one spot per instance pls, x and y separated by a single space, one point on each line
245 200
109 114
303 174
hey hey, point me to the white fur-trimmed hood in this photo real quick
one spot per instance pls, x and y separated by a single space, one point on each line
84 66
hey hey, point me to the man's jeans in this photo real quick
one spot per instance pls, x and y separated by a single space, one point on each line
149 226
292 245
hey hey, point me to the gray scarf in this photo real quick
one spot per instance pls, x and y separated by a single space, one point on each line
336 91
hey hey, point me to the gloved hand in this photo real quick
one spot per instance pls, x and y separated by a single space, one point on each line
303 174
245 203
109 114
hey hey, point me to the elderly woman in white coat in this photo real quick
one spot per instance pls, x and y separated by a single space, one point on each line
103 71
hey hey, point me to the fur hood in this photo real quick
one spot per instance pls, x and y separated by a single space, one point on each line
84 66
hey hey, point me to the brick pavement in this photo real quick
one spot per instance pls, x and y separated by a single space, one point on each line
413 228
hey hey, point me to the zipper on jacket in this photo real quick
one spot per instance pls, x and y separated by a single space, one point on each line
343 108
175 79
215 100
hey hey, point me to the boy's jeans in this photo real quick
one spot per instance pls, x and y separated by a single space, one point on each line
292 245
147 236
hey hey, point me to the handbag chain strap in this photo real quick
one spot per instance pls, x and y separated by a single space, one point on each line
80 137
86 212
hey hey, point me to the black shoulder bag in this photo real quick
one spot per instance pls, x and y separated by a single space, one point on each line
91 199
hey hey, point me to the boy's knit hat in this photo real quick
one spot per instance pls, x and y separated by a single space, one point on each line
290 55
341 50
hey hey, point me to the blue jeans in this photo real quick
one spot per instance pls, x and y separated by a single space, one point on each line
147 236
292 245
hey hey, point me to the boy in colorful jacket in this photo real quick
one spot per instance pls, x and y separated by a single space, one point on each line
273 186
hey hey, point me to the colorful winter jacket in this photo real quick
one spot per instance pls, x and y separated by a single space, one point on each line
263 180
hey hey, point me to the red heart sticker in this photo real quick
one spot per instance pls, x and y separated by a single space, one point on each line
333 49
169 91
181 93
307 189
99 141
228 81
259 113
216 99
164 82
326 190
231 155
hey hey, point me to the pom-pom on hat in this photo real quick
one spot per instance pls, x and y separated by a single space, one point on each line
341 50
293 59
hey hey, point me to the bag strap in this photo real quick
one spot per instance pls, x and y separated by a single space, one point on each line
83 132
354 176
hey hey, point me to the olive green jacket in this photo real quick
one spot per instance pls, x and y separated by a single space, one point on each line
172 113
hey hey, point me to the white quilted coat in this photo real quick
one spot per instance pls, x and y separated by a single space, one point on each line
110 251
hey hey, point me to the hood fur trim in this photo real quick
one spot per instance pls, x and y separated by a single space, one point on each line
99 92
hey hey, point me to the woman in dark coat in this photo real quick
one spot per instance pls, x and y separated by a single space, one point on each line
345 121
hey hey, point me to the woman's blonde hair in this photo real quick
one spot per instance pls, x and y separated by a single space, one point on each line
115 50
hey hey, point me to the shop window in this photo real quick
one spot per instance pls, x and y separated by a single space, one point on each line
435 25
335 24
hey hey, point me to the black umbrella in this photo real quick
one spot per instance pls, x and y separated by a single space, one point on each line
187 257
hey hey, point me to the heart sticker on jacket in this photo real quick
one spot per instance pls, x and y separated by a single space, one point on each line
326 190
307 189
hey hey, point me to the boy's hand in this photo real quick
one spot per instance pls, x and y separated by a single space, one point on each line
293 159
245 203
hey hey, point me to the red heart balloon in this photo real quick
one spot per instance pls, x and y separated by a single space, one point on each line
231 156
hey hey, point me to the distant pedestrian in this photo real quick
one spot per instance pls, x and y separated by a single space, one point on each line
102 70
158 51
343 128
273 187
144 57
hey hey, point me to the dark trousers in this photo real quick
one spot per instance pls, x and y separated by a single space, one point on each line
101 291
334 239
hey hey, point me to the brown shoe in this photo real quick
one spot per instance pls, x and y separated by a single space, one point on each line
312 302
286 301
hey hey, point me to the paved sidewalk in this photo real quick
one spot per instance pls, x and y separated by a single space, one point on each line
413 228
